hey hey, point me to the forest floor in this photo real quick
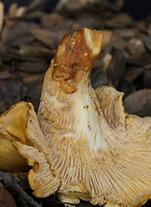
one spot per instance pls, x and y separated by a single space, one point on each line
28 41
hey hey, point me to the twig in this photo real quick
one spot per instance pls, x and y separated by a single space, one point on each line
1 15
7 178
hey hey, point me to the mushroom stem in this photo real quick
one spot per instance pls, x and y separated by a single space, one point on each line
67 90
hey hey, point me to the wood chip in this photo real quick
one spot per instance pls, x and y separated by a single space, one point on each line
6 200
139 59
147 78
139 103
11 91
15 11
47 37
28 44
38 65
131 73
135 46
20 32
53 21
147 42
9 180
120 20
117 65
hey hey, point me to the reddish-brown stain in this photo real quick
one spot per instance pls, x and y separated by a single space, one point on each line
89 127
86 107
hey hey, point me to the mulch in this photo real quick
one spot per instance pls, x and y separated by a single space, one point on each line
29 37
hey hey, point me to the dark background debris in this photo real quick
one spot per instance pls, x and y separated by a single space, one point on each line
30 32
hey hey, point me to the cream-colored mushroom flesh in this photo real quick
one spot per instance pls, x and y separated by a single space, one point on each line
82 143
12 127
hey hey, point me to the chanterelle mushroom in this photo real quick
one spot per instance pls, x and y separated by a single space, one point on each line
12 128
83 145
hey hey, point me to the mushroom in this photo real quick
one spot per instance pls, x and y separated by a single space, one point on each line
82 144
12 128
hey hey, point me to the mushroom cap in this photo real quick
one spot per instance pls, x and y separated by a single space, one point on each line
99 152
12 127
82 144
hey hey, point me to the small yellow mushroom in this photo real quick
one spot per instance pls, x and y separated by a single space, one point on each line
82 144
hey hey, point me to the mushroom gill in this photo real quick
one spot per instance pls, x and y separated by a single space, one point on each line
82 144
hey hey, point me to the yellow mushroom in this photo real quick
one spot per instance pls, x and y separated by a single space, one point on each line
12 128
82 144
